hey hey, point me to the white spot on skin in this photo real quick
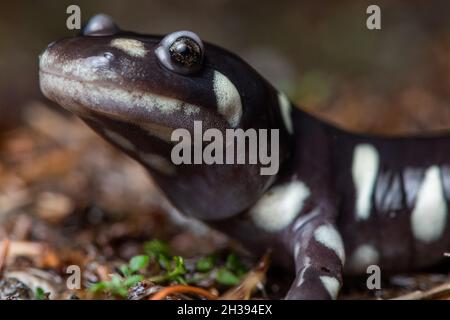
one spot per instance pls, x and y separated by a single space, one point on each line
89 69
332 285
364 172
190 109
296 250
429 216
131 47
158 163
118 139
278 207
228 99
363 256
327 235
301 278
286 109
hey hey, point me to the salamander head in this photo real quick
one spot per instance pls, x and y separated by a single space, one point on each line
135 90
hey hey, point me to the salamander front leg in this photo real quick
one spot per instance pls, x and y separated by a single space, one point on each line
319 258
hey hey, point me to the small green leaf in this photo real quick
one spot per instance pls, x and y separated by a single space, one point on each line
131 281
177 271
155 248
181 280
122 292
234 264
226 277
98 287
179 267
164 261
116 280
205 264
138 263
126 271
40 294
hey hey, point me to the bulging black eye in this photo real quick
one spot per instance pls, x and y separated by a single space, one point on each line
185 52
181 52
100 25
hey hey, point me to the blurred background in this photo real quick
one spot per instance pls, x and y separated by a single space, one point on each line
393 80
67 197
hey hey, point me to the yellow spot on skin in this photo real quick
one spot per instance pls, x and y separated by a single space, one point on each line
131 47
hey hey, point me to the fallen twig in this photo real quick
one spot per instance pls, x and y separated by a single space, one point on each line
182 289
3 255
436 292
30 249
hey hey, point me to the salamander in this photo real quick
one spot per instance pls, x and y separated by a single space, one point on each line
339 202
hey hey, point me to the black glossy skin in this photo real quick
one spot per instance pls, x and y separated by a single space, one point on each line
148 75
317 154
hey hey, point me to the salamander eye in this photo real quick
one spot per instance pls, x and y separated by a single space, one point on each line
181 52
100 25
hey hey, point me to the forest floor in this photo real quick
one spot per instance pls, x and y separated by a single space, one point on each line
78 220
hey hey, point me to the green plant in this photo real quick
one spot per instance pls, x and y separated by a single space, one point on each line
135 264
174 266
235 265
155 248
175 271
206 264
119 285
40 294
232 272
226 277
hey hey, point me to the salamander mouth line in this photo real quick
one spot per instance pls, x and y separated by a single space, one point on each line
85 103
63 84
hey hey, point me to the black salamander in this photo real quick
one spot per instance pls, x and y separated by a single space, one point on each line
340 201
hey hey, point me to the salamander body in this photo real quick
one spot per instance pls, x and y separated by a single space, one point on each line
339 201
